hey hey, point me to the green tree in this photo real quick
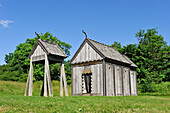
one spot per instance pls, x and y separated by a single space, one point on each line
152 56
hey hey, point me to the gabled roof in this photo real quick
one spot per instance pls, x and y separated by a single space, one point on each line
105 51
49 48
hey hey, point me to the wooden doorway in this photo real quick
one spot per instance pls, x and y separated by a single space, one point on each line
86 83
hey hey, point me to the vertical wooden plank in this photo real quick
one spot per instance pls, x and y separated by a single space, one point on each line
93 79
83 54
89 54
107 80
132 82
122 80
136 82
61 81
129 81
114 80
86 52
101 79
104 78
26 87
72 80
45 79
64 79
76 81
48 77
98 83
31 78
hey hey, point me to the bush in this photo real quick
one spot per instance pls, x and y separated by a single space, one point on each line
161 89
13 76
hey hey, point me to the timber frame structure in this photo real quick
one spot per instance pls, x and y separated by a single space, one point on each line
46 52
102 69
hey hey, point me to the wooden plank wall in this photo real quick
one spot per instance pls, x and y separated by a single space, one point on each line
118 81
110 85
87 53
97 79
133 82
77 79
126 83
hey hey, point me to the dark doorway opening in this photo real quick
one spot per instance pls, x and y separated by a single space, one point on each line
87 78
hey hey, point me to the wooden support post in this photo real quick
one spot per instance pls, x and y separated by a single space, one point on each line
64 79
26 87
48 77
61 81
45 78
31 78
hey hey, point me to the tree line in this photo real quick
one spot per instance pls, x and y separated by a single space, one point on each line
151 54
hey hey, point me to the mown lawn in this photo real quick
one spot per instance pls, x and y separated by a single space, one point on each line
12 100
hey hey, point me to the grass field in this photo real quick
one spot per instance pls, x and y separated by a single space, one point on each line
12 100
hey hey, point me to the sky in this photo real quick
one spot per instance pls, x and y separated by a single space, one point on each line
105 21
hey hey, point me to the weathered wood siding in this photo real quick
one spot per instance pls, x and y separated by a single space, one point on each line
110 79
77 79
38 54
97 79
118 80
133 82
87 53
126 83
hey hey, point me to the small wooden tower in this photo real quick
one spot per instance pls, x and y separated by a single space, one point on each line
46 52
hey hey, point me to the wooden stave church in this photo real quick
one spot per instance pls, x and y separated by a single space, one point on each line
111 73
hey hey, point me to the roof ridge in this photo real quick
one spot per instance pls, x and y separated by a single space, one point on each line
48 41
98 42
106 45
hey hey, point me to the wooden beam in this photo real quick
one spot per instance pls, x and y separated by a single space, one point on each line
122 80
31 78
104 78
45 78
71 80
48 76
129 82
136 84
64 79
61 81
114 80
26 87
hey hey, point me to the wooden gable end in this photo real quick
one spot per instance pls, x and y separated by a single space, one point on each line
38 54
86 54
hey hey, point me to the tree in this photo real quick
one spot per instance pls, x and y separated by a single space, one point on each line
152 56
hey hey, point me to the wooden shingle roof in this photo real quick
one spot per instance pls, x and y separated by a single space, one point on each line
49 48
106 52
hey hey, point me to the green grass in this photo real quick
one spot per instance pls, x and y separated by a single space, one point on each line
12 100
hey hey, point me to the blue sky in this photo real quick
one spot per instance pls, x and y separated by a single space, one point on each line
105 21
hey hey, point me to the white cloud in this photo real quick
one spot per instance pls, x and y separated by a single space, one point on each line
5 23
